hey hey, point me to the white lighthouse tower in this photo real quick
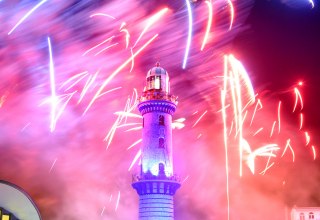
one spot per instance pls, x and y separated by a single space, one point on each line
156 184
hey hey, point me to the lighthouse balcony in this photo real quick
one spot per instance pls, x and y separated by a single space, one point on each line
149 176
156 94
156 185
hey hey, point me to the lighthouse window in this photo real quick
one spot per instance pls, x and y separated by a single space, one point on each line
301 216
149 83
6 217
152 82
161 142
161 120
157 83
143 122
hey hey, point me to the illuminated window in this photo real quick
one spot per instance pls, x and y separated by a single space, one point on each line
157 82
148 82
152 82
302 216
311 215
5 217
161 142
161 120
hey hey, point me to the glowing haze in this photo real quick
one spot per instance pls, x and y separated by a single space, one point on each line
71 72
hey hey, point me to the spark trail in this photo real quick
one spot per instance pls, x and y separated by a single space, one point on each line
232 13
54 162
94 47
298 99
209 23
189 35
53 100
150 22
105 83
233 75
27 15
102 14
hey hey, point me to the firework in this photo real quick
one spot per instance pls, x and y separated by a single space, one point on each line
27 15
189 35
205 39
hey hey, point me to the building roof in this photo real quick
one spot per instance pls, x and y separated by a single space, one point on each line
16 201
157 70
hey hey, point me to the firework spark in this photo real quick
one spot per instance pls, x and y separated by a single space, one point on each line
27 15
255 110
314 152
98 45
134 144
308 138
102 14
312 3
210 15
272 129
225 140
288 145
106 48
127 34
201 116
257 132
265 151
79 75
105 83
279 117
189 35
233 75
232 13
150 22
53 88
54 162
103 210
89 83
118 200
135 159
297 99
301 121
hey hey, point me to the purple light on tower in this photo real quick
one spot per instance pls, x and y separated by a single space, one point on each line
156 184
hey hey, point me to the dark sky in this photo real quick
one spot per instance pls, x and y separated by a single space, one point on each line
281 47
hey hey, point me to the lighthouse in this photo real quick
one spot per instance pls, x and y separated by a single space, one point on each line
156 184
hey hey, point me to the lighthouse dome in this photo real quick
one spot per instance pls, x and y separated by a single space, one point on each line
157 79
156 71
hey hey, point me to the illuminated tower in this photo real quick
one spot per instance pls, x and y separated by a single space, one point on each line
156 184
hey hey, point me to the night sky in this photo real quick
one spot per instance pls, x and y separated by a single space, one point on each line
280 48
72 171
281 45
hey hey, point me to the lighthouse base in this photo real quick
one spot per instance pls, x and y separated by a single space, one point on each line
156 207
156 198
